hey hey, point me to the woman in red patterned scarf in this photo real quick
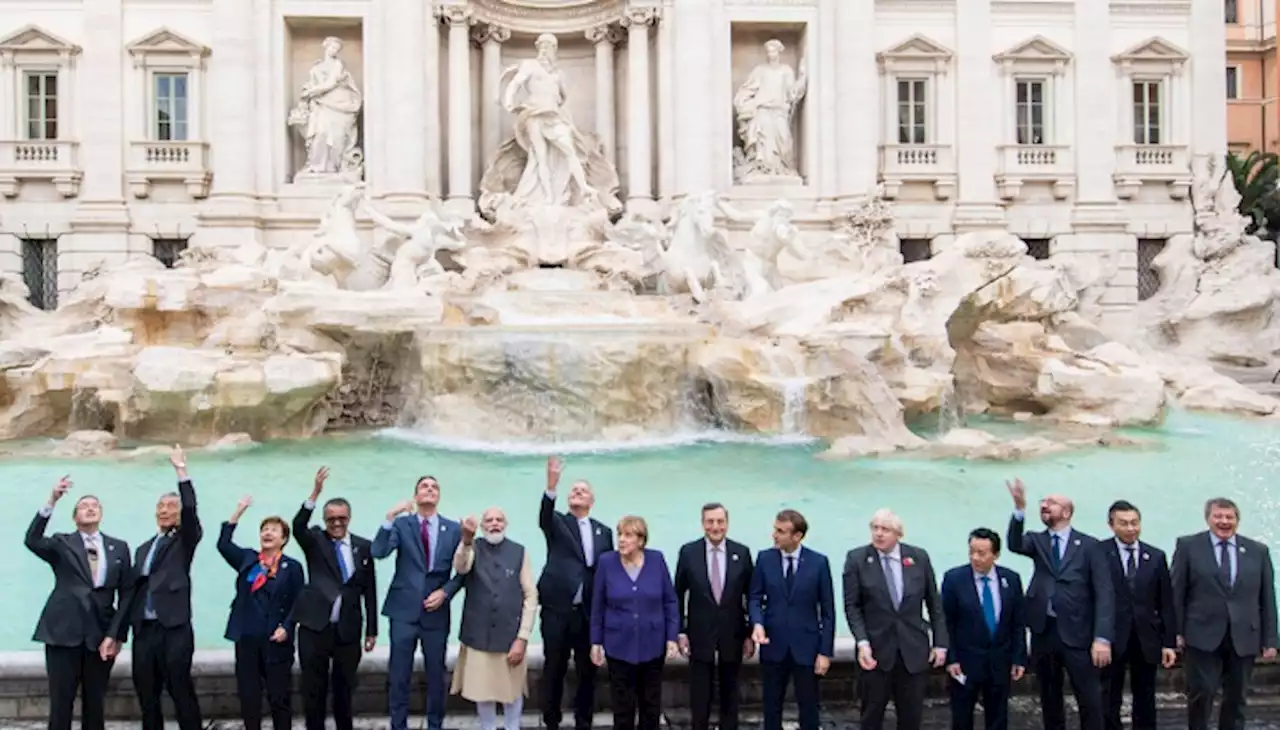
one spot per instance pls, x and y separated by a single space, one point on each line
261 624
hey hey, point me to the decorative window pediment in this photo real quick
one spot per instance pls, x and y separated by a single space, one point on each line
918 54
164 47
1153 55
34 44
1035 55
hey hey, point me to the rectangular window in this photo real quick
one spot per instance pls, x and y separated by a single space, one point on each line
915 249
1233 82
1037 248
40 271
1146 112
170 113
1230 11
168 250
912 125
1148 277
40 89
1030 109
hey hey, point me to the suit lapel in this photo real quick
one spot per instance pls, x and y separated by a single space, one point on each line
1006 596
701 572
575 535
1211 556
76 543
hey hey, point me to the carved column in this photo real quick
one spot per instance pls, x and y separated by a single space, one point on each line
606 38
695 141
459 18
102 140
857 132
490 39
1208 84
232 83
639 114
405 86
431 105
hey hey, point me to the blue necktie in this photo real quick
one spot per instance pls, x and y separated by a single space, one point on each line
342 564
149 610
1057 558
988 605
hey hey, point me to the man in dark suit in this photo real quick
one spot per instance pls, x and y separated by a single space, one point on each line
574 541
1224 602
1144 618
987 623
341 572
89 573
793 617
157 605
417 602
713 579
1070 608
888 585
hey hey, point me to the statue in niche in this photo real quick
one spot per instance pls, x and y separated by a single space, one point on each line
415 259
548 162
765 111
326 116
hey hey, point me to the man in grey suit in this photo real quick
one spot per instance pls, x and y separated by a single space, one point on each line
1224 601
887 587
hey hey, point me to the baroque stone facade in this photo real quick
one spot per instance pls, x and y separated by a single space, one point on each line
130 129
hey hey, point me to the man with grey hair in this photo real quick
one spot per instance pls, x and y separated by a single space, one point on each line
1224 603
888 585
497 618
157 605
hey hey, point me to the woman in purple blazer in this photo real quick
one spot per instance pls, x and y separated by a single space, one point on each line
634 623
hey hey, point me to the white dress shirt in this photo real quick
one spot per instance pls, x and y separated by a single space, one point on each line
585 530
94 543
1124 547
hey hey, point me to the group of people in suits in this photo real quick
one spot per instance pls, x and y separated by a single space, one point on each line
1095 611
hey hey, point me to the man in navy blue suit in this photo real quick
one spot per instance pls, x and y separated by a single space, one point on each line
987 623
1070 608
793 614
418 600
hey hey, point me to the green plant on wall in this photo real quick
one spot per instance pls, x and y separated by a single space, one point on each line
1255 177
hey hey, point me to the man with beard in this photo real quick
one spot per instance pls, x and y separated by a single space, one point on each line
574 541
1070 608
497 618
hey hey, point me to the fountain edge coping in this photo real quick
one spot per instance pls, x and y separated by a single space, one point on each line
30 664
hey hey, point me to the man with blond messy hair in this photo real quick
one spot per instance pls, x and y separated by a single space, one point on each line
888 586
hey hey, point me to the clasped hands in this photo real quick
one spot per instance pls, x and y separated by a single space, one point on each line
597 653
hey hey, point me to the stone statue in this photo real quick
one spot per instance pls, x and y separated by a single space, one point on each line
548 161
415 259
765 111
773 232
334 250
693 258
326 116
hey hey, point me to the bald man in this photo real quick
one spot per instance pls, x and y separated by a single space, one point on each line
1070 607
574 541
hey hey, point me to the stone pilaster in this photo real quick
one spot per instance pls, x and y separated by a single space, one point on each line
695 140
490 39
977 136
637 21
459 19
856 80
605 39
1208 81
404 86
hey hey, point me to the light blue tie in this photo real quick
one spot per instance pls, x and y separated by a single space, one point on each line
988 605
149 611
342 564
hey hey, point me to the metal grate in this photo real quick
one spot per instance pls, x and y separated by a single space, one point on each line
167 250
1148 277
40 271
915 249
1037 248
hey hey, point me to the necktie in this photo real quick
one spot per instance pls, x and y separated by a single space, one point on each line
92 550
584 531
342 563
717 584
1224 561
988 605
1054 553
1130 565
149 610
426 542
887 563
791 571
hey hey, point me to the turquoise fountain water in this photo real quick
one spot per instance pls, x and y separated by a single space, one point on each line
1195 457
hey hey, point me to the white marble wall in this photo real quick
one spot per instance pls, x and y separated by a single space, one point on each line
404 61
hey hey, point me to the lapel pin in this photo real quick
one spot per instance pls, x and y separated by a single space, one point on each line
443 527
111 548
1004 582
735 557
1242 549
908 562
1146 556
597 531
870 560
1077 542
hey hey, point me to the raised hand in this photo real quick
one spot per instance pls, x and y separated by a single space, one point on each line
60 490
469 530
321 474
401 508
178 457
555 467
1018 491
241 506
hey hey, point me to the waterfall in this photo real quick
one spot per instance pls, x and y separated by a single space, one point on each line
793 405
950 415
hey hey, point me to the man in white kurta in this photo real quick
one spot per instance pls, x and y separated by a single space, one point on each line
497 617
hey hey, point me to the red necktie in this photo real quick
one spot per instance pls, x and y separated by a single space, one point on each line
426 541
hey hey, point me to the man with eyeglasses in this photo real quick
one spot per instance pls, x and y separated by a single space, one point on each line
341 572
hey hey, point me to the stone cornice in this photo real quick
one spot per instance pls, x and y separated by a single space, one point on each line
549 16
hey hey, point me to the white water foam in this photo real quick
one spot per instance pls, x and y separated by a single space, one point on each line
793 405
548 448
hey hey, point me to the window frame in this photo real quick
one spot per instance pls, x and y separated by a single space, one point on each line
1235 81
25 121
1046 111
918 110
1162 111
165 52
1155 60
39 296
918 58
34 50
154 123
1230 12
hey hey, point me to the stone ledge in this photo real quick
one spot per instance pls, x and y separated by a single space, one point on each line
23 686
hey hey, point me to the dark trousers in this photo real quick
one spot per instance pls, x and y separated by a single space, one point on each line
162 662
1206 672
405 638
1054 662
72 670
994 693
1142 685
803 680
325 661
702 681
253 674
905 689
565 633
636 689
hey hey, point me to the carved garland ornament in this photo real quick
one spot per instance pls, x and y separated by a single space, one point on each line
558 16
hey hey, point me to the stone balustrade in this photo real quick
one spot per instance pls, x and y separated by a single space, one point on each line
1019 164
929 163
53 161
185 162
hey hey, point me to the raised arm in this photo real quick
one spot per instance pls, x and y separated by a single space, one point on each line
227 548
387 540
190 531
547 509
1015 539
302 520
464 557
35 539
